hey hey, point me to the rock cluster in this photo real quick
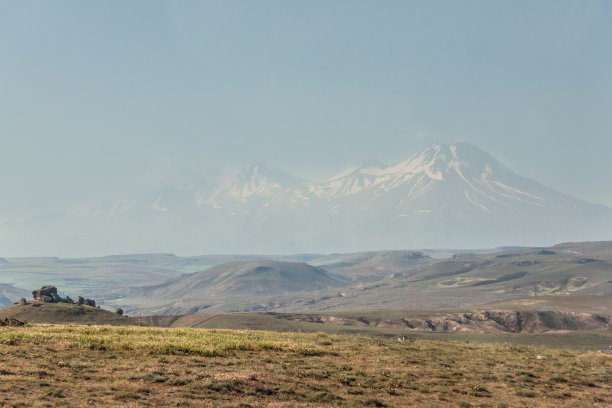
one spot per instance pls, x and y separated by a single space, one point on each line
82 301
49 294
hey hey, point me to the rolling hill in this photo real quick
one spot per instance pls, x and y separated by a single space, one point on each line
387 280
374 265
233 283
64 313
169 284
248 278
96 277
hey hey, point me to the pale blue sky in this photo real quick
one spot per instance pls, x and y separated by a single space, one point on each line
99 98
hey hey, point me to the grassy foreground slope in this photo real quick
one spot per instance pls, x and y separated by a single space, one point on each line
138 366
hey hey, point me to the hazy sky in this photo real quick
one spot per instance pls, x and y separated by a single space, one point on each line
102 99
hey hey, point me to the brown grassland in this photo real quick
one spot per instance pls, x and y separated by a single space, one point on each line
45 365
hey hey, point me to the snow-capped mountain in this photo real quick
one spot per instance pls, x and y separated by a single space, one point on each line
479 179
453 196
260 184
353 180
458 196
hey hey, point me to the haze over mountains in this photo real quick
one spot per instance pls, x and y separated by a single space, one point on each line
447 196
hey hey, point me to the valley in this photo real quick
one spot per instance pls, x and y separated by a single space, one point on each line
552 296
379 328
305 204
399 280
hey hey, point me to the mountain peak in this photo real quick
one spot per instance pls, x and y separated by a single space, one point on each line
448 195
256 169
461 151
438 160
257 180
436 163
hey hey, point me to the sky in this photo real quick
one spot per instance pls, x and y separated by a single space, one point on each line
106 99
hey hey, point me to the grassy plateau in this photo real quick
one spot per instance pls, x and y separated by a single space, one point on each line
76 365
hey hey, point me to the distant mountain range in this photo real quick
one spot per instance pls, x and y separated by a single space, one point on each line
448 196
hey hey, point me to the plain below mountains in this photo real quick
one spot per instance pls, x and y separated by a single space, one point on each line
447 196
385 280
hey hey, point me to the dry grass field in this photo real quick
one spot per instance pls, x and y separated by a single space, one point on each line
76 366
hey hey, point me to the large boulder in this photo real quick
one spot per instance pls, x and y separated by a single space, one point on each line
46 294
84 301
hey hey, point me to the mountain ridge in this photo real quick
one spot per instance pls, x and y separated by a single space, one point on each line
446 196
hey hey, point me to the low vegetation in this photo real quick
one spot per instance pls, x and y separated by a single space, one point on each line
43 365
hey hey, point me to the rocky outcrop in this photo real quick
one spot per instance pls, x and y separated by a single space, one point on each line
46 294
490 321
479 321
49 294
